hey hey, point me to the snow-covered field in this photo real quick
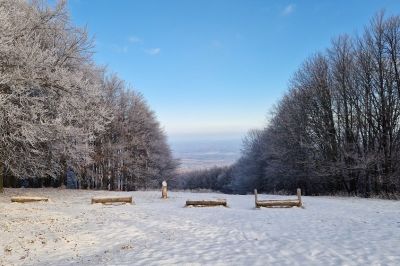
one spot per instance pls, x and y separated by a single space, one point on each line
69 230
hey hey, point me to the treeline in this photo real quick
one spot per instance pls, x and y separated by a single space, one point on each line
62 116
215 178
337 128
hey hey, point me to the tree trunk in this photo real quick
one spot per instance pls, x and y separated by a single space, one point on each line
367 185
1 177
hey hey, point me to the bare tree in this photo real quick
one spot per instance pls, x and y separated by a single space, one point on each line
337 127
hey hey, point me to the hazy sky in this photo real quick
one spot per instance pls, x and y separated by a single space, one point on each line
215 67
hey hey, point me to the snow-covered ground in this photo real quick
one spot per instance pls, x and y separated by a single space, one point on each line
69 230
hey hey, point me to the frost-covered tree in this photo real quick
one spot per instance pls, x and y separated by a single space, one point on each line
50 91
133 152
62 116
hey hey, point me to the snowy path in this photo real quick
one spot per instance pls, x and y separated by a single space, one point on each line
69 230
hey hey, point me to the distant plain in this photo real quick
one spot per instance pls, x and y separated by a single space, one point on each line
200 154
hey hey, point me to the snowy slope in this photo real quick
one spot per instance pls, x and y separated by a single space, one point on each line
69 230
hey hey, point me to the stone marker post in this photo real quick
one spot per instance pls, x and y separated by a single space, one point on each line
164 190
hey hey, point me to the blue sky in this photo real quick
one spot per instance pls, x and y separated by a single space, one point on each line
215 67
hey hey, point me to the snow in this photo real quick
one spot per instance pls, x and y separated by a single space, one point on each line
69 230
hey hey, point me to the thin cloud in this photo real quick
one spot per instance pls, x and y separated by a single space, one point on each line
134 39
288 10
153 51
119 49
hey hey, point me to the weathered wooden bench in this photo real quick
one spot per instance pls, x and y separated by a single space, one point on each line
109 200
279 203
206 203
23 199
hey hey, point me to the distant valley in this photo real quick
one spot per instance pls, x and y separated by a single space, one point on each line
200 154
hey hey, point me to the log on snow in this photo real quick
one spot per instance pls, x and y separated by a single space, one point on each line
112 200
28 199
206 203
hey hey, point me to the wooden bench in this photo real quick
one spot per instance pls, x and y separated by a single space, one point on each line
279 203
107 200
24 199
206 203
